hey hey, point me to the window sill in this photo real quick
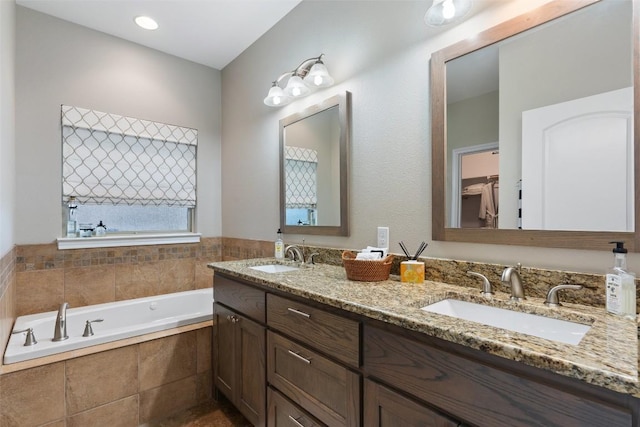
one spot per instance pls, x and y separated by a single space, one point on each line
111 241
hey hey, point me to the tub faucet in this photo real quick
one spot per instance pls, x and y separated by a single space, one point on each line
60 331
511 277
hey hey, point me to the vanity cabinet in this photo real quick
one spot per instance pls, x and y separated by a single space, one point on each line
386 408
309 354
468 388
239 342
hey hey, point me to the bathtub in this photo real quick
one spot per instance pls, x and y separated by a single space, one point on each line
122 319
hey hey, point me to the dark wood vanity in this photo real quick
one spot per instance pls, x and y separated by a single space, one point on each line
284 360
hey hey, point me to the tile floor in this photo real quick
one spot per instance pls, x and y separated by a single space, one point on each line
210 414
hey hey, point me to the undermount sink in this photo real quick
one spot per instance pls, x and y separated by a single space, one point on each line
531 324
274 268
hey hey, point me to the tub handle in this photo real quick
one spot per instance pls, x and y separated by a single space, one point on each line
31 338
88 330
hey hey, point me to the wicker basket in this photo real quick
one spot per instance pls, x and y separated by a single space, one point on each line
366 270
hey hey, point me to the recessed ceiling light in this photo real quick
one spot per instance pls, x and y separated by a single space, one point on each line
146 22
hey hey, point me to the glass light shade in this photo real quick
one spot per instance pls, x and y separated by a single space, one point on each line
443 12
296 87
276 97
318 76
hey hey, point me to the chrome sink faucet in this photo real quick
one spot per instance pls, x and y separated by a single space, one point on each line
297 253
60 331
511 277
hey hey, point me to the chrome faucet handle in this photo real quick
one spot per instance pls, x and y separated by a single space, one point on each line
552 296
310 259
486 285
30 339
88 330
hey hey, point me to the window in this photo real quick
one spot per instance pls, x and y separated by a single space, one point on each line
133 175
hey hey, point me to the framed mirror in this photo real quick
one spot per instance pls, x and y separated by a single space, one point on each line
314 175
535 129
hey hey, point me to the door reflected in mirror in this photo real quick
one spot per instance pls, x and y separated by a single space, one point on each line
313 172
558 99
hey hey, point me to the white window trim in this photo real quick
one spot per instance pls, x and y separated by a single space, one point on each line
118 240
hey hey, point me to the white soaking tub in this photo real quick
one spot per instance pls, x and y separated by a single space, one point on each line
122 319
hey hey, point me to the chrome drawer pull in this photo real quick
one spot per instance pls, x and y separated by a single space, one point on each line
296 422
301 313
304 359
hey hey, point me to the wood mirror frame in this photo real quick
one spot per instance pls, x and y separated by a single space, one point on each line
597 240
343 102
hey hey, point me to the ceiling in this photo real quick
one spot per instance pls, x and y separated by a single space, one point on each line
209 32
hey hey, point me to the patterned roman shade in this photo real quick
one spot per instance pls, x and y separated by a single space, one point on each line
111 159
301 166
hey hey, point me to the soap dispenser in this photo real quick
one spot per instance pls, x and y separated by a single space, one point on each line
279 246
620 285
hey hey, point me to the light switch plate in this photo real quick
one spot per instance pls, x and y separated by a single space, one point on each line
383 237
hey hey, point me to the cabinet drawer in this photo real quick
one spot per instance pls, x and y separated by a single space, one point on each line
328 391
386 408
477 393
329 333
245 299
284 413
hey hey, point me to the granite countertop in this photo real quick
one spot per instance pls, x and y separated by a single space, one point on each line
607 356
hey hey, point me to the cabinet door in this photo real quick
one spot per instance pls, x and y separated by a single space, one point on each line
386 408
224 359
239 363
251 374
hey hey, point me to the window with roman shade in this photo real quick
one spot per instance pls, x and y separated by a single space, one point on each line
112 159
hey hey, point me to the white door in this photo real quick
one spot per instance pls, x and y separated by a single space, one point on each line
577 164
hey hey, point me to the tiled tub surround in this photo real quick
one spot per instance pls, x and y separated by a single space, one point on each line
38 278
607 356
7 296
46 277
127 383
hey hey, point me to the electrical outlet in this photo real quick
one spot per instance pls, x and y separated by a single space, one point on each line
383 237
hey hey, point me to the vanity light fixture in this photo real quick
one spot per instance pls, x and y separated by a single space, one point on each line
310 74
146 22
443 12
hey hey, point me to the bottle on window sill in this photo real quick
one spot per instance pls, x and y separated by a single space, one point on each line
72 218
101 230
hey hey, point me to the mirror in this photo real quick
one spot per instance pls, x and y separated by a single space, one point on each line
314 147
519 116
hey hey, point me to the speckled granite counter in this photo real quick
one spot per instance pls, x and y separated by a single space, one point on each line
607 356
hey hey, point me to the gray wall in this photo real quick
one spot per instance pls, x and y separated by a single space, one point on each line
58 62
380 52
7 126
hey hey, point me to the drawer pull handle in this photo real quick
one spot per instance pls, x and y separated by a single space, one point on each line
296 355
296 422
301 313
